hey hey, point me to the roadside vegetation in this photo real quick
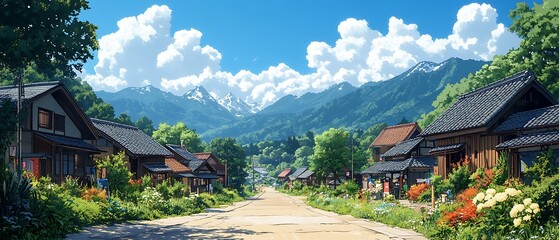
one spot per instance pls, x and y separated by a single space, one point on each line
486 204
38 208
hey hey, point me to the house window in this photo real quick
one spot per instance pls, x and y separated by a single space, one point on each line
68 163
59 123
45 118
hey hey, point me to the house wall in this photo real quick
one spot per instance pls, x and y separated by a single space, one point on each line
49 103
480 150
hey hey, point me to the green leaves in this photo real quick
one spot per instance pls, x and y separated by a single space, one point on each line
331 153
178 134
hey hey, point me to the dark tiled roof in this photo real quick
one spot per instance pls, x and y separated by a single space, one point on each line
284 173
388 166
297 172
536 139
447 148
477 108
69 142
423 162
195 164
540 117
177 149
187 175
157 167
212 160
403 148
306 174
131 138
395 134
30 90
206 175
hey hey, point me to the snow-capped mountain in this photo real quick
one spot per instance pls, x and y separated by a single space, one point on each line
425 67
236 106
200 94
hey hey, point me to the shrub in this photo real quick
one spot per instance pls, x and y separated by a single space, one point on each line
459 179
15 203
117 172
501 168
481 178
546 193
348 189
95 194
72 186
543 167
416 190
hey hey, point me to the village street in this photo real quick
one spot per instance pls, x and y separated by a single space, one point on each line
271 215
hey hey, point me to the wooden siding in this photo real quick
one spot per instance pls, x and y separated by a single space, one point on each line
479 149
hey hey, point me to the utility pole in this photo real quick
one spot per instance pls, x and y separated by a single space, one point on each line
253 187
18 125
352 157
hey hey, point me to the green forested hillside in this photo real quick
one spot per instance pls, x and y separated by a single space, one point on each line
406 96
538 52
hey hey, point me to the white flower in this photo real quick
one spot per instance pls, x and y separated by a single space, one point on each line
536 210
491 202
488 196
491 191
517 222
534 205
513 213
511 191
500 197
527 201
528 210
480 196
480 206
515 210
527 218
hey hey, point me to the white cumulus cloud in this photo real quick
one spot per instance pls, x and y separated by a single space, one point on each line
144 51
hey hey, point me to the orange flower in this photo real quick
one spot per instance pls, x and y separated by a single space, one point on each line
416 190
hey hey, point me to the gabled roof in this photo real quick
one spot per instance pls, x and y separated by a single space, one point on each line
401 165
297 172
181 152
33 91
213 160
479 107
541 117
132 139
306 174
532 140
451 148
157 167
67 141
395 134
284 173
403 148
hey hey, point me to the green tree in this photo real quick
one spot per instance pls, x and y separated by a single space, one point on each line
124 119
7 127
145 124
177 134
331 153
303 156
233 156
49 35
543 167
538 52
101 110
117 172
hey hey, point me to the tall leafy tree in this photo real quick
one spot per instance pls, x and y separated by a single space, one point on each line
47 34
538 52
331 153
145 124
178 134
233 156
7 126
124 119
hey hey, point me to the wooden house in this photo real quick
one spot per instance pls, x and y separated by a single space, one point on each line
293 176
527 134
202 174
143 154
53 132
221 170
307 178
464 134
283 175
391 136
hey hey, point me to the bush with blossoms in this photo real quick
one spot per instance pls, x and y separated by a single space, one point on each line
505 211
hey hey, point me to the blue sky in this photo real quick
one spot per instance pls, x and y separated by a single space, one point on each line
263 50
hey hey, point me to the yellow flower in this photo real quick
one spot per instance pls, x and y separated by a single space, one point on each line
513 213
528 210
537 210
534 206
517 222
491 191
479 197
527 218
527 201
488 196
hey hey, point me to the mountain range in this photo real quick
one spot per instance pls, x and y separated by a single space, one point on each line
407 95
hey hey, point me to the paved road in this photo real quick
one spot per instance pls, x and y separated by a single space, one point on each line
272 215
